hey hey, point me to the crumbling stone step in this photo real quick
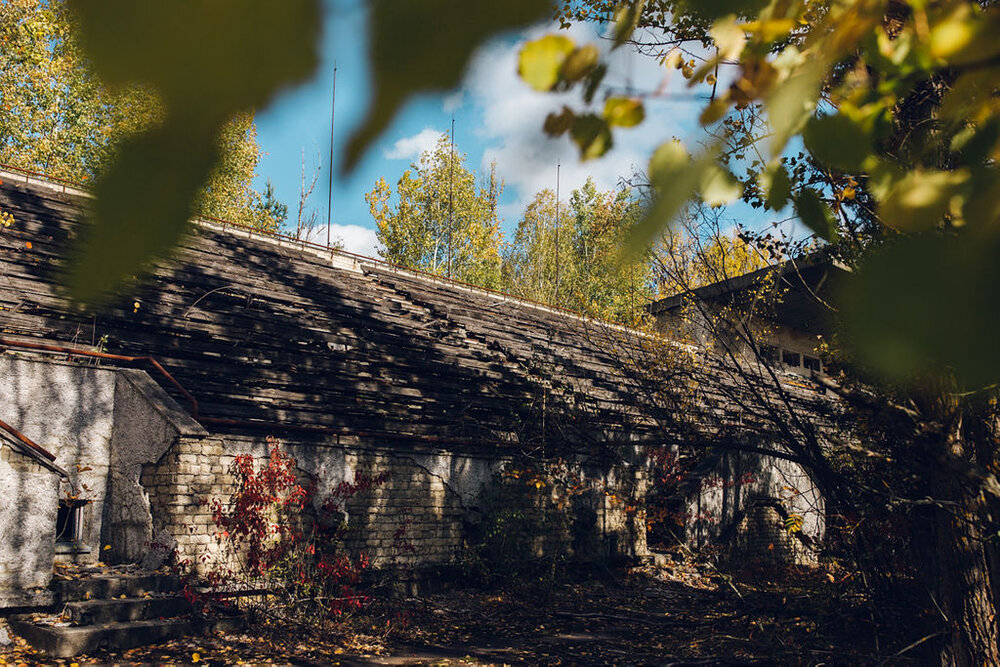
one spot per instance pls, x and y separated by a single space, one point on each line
113 586
68 641
93 612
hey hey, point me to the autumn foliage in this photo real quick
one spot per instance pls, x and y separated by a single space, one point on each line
282 551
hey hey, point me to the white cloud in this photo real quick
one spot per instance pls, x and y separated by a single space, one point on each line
356 238
513 115
453 101
410 148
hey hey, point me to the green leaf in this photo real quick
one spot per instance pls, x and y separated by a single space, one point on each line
792 102
713 9
838 141
976 143
627 19
424 45
669 159
540 61
580 63
208 57
624 112
729 37
778 186
815 214
205 61
718 186
142 206
592 134
557 124
920 199
593 81
917 309
676 177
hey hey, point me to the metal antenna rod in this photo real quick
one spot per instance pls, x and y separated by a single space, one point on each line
451 191
558 220
329 194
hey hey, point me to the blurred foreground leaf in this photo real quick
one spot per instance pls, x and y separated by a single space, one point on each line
926 305
676 176
143 205
423 46
207 62
815 214
540 61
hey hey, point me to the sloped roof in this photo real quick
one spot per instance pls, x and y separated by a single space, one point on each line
807 279
271 336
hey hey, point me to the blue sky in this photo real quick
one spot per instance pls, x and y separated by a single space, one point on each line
496 117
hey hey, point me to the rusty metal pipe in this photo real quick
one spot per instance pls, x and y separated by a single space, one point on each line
72 351
26 440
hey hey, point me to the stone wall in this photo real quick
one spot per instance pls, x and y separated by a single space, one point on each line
181 486
743 502
30 495
430 501
102 424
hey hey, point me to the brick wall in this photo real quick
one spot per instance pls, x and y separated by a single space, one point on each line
434 500
181 486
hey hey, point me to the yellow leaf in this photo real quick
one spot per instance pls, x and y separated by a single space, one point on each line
729 37
623 112
195 657
540 61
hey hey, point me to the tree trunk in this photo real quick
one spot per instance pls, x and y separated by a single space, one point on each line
964 591
961 571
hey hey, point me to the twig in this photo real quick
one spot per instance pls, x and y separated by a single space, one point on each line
912 646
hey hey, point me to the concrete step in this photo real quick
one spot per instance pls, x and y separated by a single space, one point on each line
93 612
69 641
105 587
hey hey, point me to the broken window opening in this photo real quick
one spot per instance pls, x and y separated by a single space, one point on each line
69 521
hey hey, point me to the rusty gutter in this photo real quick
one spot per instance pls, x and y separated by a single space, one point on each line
25 440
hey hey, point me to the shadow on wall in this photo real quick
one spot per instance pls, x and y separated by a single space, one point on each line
756 507
30 495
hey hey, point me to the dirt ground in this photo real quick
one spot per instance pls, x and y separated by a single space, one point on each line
681 614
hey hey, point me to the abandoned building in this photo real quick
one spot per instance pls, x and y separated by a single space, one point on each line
757 504
123 422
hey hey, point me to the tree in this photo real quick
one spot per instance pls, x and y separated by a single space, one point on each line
271 207
58 119
536 263
229 193
55 118
441 221
895 104
570 255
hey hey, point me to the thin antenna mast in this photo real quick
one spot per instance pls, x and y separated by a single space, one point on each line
329 194
451 191
558 220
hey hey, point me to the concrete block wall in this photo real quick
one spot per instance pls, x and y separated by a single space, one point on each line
747 492
426 501
181 487
30 494
761 537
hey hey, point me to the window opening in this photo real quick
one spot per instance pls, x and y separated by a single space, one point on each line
811 363
793 359
69 520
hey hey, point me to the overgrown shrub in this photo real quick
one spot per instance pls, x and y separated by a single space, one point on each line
282 553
